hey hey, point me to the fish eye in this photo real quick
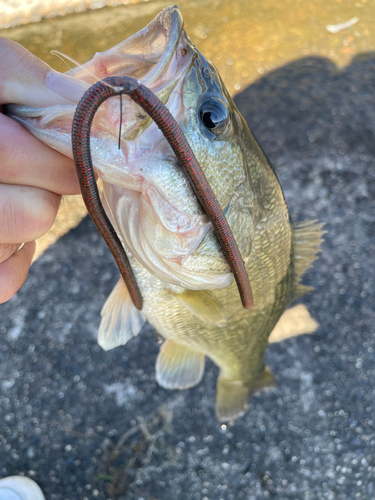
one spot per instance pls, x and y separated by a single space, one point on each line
214 116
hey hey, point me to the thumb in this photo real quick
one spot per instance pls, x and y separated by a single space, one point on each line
23 77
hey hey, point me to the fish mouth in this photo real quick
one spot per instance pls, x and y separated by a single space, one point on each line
144 204
146 55
157 56
160 232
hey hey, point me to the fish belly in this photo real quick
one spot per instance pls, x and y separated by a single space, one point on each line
238 346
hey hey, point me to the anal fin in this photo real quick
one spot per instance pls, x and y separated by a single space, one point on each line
178 366
232 396
204 305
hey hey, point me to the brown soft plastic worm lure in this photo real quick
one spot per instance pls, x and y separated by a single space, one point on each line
85 112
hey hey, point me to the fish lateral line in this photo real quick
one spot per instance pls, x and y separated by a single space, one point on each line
151 104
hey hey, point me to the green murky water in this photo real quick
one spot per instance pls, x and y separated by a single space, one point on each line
244 39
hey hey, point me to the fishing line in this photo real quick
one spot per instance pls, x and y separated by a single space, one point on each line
61 56
119 134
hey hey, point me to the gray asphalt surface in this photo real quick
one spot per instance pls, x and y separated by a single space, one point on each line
89 424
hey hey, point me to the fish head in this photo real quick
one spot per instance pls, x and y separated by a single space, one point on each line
145 192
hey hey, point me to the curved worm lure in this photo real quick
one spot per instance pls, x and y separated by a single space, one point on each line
84 115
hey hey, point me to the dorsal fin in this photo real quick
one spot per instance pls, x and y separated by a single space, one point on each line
307 238
295 321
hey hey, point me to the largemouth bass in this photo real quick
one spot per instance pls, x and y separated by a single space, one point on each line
188 291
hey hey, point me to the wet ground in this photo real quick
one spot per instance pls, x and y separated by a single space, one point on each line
89 424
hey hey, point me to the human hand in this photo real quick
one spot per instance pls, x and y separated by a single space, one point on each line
32 176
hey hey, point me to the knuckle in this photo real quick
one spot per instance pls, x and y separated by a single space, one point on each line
10 219
6 250
11 279
28 215
14 271
9 149
44 215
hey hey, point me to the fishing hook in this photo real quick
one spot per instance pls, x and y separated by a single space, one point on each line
84 115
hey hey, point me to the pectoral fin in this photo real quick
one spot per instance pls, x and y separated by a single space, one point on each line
204 305
232 396
178 366
121 320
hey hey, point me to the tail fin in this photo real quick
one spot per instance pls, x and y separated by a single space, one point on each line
232 395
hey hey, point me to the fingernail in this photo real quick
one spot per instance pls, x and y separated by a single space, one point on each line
66 86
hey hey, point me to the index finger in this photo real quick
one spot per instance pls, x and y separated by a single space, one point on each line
24 160
23 77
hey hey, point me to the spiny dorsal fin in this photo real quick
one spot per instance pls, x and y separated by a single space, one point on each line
295 321
204 305
121 320
307 239
178 366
